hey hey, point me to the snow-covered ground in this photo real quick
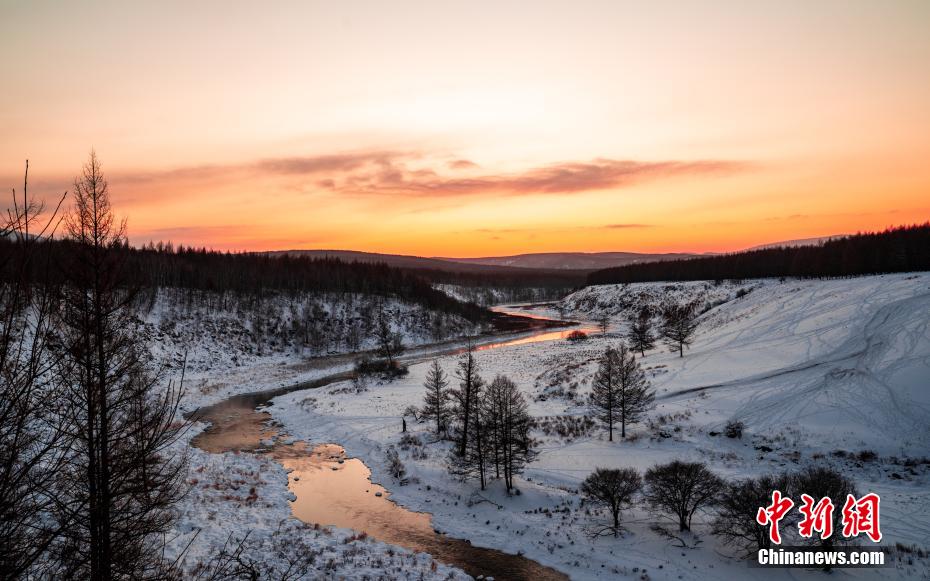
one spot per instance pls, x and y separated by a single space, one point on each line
490 296
819 371
228 344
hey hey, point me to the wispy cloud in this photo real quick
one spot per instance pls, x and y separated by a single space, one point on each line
392 176
462 164
559 229
416 174
625 226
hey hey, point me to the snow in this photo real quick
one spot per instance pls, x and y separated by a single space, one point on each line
226 344
487 296
812 367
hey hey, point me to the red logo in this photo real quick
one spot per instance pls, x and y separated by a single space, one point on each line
858 516
817 517
772 514
861 516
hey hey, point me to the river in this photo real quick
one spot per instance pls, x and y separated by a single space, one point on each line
332 489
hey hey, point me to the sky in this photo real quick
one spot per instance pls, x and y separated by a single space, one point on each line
447 128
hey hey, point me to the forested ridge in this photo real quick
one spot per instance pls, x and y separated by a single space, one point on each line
900 249
255 275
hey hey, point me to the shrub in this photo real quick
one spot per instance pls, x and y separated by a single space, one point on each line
866 456
395 466
576 336
381 368
734 429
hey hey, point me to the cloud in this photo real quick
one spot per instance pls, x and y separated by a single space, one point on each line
326 163
394 178
415 174
462 164
624 226
499 231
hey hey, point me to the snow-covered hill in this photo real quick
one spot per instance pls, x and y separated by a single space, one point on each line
621 301
822 372
219 331
845 358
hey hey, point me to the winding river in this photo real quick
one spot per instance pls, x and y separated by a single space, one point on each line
333 489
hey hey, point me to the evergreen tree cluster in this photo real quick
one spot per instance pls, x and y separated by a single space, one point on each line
490 422
901 249
252 275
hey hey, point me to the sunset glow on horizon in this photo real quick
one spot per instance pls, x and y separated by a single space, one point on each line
476 129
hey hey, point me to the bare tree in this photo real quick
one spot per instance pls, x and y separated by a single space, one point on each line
640 335
31 442
117 491
603 322
681 489
820 482
679 322
436 400
390 344
736 512
614 489
507 423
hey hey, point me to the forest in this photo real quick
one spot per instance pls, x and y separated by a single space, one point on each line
248 275
901 249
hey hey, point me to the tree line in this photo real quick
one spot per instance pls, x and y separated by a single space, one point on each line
901 249
250 275
680 490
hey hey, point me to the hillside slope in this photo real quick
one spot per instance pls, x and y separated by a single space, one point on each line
822 372
844 357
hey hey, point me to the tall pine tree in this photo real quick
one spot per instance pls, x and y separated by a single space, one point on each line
121 482
640 334
466 397
620 391
436 400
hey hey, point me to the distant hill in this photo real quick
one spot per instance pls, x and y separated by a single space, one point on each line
799 242
402 261
570 260
516 283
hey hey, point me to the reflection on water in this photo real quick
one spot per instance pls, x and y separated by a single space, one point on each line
538 338
334 490
234 428
331 489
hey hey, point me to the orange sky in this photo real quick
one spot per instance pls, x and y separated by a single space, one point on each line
476 128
